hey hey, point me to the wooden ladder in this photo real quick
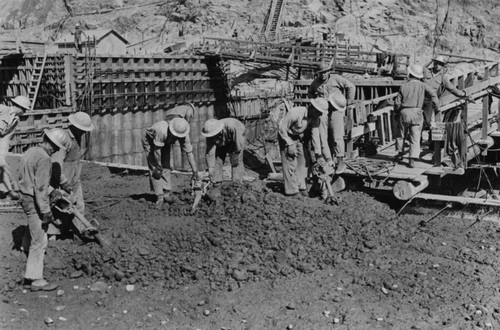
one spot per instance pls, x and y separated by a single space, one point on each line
273 18
36 79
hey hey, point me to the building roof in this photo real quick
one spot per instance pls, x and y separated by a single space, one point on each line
98 34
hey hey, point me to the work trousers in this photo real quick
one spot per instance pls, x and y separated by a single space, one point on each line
237 172
336 132
7 182
294 168
409 126
35 237
164 184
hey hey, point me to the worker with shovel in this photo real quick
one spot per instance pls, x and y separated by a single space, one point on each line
409 114
157 142
35 174
9 120
224 137
67 166
291 143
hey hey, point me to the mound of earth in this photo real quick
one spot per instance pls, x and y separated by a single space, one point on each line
256 260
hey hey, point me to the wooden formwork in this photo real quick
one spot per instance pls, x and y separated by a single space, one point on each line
16 74
342 59
130 93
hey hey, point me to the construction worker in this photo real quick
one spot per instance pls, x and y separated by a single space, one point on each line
185 111
157 141
408 109
69 160
34 179
9 119
323 85
78 33
224 136
439 81
291 143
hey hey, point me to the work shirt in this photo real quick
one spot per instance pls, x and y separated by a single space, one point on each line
70 161
34 176
412 94
9 121
233 138
185 111
440 82
320 88
294 123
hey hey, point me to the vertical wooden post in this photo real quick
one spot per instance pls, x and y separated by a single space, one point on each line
69 80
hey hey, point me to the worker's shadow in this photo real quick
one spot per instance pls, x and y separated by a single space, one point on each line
148 197
17 237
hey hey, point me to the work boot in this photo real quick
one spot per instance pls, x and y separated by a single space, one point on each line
398 158
159 201
411 163
303 192
169 198
341 167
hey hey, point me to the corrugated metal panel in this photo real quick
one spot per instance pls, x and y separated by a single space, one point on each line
117 137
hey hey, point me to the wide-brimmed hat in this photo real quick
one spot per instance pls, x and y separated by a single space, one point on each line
179 127
22 102
323 67
81 120
58 136
416 70
338 100
212 127
440 59
320 104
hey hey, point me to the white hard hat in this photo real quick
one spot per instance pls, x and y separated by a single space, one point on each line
179 127
416 70
59 137
338 100
320 104
22 102
212 127
440 59
81 120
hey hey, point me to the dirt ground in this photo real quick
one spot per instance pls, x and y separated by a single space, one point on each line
255 260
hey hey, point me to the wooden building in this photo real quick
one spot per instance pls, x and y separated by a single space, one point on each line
105 42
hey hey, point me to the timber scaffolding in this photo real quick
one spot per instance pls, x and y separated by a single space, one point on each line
344 58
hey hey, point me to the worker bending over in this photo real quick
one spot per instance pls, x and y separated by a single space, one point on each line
324 85
224 137
408 109
291 143
157 142
9 119
34 179
185 111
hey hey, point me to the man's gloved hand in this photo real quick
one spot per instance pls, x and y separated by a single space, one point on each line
350 102
291 151
320 160
330 162
432 124
47 218
65 186
468 96
235 160
55 195
157 173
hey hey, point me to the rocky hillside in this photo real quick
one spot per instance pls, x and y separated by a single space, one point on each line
415 27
